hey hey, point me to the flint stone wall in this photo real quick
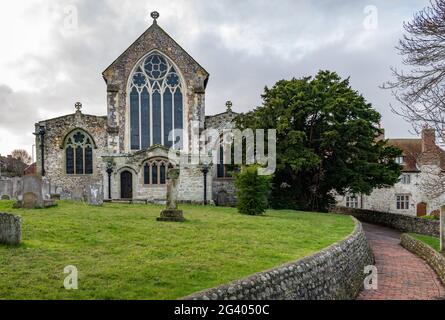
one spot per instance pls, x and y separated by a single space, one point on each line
10 229
335 273
55 156
434 259
396 221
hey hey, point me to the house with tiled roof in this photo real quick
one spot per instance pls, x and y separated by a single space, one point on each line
416 193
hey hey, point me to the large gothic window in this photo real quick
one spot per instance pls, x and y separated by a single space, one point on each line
79 153
156 103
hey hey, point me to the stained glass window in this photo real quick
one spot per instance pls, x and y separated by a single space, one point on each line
162 174
79 153
154 174
145 119
134 116
147 173
88 160
156 102
69 160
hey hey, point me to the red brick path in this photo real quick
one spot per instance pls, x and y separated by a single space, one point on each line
401 274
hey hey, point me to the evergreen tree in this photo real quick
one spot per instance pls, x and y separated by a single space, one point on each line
327 140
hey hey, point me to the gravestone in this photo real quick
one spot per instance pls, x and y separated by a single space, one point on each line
6 188
31 201
66 194
222 199
10 229
172 213
78 193
95 195
46 188
31 192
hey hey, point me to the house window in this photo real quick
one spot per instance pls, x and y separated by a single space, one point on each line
156 103
400 160
405 179
79 153
155 172
402 202
352 201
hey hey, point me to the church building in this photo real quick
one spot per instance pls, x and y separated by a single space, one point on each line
154 88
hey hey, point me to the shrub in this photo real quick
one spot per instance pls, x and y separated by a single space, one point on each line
252 191
430 218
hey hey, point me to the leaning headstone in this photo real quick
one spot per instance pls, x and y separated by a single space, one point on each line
10 229
95 195
171 213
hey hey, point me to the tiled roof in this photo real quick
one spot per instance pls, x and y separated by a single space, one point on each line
412 150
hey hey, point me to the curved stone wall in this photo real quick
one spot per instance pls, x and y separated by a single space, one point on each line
334 273
392 220
434 259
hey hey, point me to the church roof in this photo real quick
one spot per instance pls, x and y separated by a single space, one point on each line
141 43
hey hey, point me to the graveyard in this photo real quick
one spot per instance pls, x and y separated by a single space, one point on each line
122 252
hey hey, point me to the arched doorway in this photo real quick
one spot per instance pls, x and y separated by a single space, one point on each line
421 209
126 185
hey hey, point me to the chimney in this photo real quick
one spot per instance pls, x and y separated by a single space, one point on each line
428 140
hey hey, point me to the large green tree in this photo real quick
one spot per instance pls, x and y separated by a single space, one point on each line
327 140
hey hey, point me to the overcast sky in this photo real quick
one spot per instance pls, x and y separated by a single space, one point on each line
53 52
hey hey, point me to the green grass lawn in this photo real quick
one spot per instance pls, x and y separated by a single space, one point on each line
122 252
431 241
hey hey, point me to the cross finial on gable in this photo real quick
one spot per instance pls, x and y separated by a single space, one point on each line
155 16
229 106
78 106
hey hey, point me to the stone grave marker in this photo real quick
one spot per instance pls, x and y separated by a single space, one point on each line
46 188
172 213
95 195
78 193
31 194
6 189
10 229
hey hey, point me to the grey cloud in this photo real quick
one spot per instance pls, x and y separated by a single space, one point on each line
294 39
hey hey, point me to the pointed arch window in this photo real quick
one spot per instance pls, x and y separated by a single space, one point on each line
156 103
155 172
79 153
